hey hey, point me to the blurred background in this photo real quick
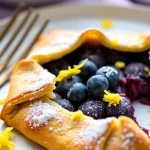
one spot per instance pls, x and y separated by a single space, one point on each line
7 6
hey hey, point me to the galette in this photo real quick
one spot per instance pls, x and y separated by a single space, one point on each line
75 91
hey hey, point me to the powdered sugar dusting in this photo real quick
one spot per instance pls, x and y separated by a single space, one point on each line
128 138
39 114
99 143
95 130
37 79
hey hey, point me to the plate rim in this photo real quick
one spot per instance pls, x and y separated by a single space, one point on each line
133 7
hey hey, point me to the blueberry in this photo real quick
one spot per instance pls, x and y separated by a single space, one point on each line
65 104
93 108
96 85
57 96
77 93
64 86
136 70
124 108
110 73
55 66
121 74
88 70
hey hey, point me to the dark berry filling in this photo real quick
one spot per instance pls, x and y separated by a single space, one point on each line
65 104
136 70
85 91
55 66
124 108
93 108
57 96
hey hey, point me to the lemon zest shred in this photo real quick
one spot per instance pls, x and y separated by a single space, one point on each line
106 24
77 115
120 64
81 65
71 71
2 101
115 42
147 70
111 98
4 138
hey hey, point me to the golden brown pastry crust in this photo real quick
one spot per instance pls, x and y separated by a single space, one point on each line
128 136
30 83
66 134
57 43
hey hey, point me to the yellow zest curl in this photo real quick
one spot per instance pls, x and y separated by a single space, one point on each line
2 101
111 98
147 70
115 42
71 71
120 64
106 24
4 139
81 65
66 73
77 115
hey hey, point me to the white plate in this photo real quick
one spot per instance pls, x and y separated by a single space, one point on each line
79 17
